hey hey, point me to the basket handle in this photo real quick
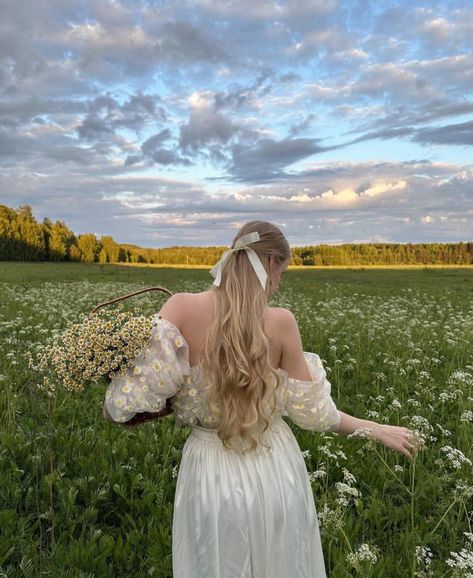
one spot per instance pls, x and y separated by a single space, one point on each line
130 295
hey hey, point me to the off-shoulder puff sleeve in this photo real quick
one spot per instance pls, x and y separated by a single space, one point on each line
309 403
156 375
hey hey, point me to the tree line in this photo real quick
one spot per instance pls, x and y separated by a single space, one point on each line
22 238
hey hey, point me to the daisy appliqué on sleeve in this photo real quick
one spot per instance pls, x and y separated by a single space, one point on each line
308 403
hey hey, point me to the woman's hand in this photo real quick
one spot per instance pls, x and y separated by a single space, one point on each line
398 438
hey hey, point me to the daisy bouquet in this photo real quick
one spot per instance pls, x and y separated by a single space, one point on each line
94 349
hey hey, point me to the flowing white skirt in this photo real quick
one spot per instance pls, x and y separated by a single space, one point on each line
245 516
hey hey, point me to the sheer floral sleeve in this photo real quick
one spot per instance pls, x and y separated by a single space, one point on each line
156 375
309 403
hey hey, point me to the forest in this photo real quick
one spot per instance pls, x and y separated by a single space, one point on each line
23 238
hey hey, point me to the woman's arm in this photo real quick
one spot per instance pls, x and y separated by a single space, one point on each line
349 423
392 436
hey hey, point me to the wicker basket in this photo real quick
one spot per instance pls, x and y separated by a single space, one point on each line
144 416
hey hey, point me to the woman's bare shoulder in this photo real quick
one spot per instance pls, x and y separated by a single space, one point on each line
172 310
281 314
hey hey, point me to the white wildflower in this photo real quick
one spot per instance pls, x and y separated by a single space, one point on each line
463 560
424 559
396 404
462 378
364 555
329 517
466 415
362 432
455 457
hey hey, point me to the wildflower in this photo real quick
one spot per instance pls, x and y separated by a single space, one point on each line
462 378
463 560
348 476
362 432
305 454
446 395
344 491
420 423
424 560
455 457
363 554
463 490
396 404
328 517
317 474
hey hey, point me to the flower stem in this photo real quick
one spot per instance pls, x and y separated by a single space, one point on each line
441 519
393 473
412 492
346 538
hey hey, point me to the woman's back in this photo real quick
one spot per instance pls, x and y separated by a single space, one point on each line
194 313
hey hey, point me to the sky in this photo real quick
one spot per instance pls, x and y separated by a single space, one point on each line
174 123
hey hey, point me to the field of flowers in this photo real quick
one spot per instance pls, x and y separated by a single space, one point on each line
80 497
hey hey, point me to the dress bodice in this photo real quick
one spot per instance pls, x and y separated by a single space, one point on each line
163 371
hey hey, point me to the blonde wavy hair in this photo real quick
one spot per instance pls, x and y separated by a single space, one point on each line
236 354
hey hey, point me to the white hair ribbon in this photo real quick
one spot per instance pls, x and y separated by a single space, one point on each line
241 243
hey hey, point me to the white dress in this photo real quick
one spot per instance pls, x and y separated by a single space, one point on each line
235 515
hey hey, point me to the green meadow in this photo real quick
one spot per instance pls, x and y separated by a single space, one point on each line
80 497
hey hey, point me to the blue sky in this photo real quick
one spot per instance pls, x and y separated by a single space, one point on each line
173 123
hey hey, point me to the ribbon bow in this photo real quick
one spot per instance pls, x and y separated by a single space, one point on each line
241 243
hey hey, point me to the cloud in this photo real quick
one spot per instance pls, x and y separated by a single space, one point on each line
106 115
303 125
73 154
92 128
14 146
266 160
17 112
383 134
153 152
401 116
205 125
452 134
243 96
181 42
151 143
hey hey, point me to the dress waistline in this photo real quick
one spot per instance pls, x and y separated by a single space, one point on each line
205 433
210 434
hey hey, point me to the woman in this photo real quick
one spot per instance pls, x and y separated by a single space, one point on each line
243 506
